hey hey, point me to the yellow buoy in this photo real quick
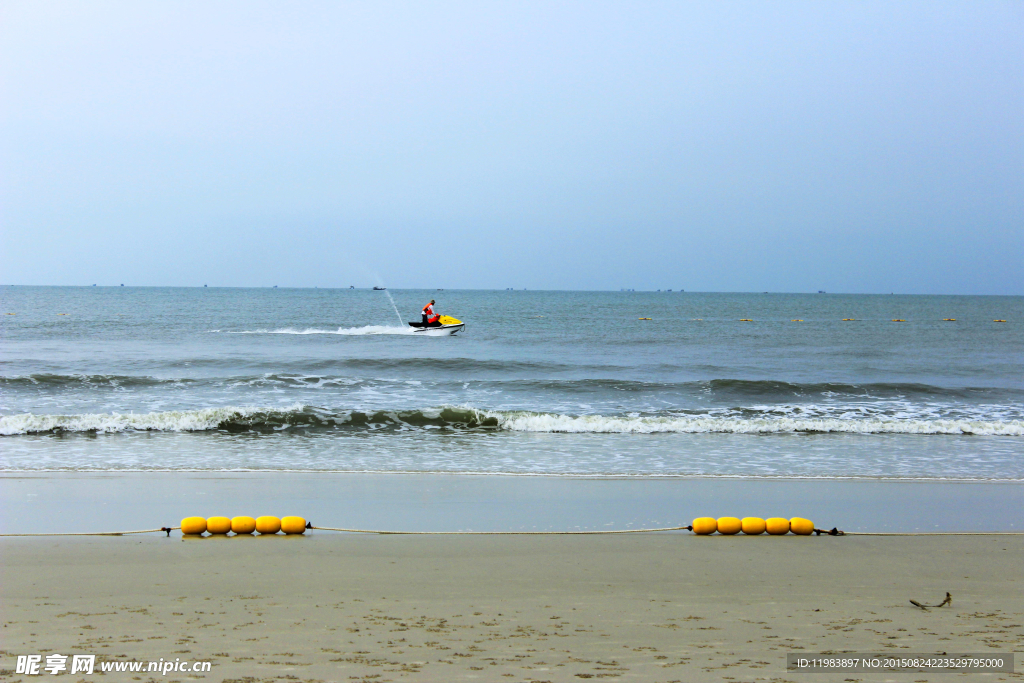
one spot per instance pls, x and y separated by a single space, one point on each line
753 525
729 525
898 320
746 320
268 524
193 526
705 525
293 525
218 525
776 526
796 320
643 318
243 525
949 320
999 321
801 526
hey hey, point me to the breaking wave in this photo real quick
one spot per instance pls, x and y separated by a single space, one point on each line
454 418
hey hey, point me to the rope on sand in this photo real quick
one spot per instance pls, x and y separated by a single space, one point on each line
833 532
497 533
933 533
167 529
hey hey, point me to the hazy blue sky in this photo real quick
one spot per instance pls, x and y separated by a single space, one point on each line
730 146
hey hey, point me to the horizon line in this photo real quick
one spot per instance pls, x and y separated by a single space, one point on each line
487 289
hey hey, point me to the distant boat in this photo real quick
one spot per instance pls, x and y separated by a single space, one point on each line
379 289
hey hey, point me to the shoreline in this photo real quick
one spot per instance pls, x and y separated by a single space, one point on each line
551 475
101 501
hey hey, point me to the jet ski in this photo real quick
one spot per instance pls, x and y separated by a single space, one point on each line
445 325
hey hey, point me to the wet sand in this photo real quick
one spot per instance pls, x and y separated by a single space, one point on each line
106 501
653 607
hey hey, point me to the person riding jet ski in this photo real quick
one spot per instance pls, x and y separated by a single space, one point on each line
430 318
435 324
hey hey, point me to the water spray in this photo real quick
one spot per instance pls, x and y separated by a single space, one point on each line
400 321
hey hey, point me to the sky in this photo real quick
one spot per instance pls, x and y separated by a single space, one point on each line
707 146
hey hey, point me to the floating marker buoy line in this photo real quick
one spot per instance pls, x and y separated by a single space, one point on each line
264 526
753 526
845 320
197 527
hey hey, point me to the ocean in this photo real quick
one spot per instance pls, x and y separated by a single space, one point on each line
126 379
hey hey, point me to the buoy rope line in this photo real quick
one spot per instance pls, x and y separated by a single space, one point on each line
817 532
385 532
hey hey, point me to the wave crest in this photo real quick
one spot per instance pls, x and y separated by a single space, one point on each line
457 418
600 424
721 390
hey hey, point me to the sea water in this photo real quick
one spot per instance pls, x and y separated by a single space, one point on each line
539 383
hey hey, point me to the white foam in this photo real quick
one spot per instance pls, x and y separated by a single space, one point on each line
344 331
600 424
517 421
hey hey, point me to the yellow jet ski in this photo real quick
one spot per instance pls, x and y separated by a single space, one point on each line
445 325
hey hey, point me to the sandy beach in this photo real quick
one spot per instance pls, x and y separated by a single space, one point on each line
645 607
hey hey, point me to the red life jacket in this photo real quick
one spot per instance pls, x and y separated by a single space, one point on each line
428 311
